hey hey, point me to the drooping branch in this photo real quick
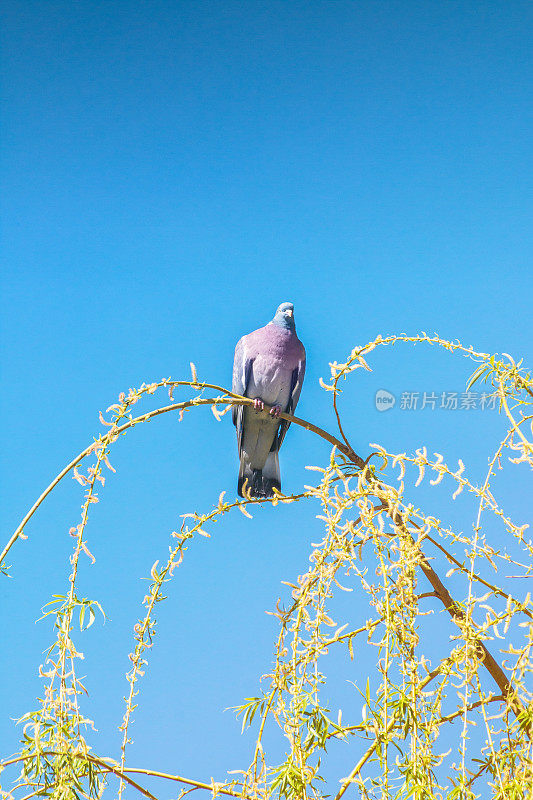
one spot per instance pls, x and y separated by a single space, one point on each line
457 614
390 727
229 399
200 401
106 766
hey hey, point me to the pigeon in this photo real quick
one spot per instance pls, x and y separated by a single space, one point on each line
269 367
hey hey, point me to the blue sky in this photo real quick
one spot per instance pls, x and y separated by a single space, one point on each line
172 171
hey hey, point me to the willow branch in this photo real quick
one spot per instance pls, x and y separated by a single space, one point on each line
363 727
122 774
181 779
475 577
231 400
527 445
341 430
457 614
455 611
118 774
86 757
390 727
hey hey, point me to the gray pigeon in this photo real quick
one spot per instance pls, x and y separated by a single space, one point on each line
269 367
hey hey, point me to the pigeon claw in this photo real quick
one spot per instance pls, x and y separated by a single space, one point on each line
275 411
258 404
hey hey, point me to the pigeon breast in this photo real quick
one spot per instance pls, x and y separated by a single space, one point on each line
276 353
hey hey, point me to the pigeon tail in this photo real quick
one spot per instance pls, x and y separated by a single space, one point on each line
271 474
260 482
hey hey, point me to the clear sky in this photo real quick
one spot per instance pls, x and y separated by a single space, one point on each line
171 172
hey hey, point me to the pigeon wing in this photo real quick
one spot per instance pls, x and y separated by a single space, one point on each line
296 387
242 368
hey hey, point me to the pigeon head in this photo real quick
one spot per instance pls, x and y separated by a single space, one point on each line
284 316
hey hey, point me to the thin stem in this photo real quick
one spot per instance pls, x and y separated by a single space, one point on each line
516 427
339 419
134 770
364 758
232 400
181 779
459 617
476 577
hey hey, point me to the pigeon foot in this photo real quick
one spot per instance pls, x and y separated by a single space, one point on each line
258 404
275 411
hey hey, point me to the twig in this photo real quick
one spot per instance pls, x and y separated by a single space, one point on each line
364 758
135 770
458 616
181 779
234 400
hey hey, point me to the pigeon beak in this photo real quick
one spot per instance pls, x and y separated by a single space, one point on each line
289 312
